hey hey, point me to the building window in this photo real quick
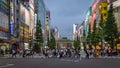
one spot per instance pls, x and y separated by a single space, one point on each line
105 8
116 9
105 14
119 9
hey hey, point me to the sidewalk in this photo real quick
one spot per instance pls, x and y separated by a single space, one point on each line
2 63
17 56
42 56
106 57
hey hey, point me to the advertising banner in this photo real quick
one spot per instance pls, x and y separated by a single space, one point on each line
3 35
11 29
118 46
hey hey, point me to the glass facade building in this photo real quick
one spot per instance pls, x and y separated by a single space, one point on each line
4 24
4 19
41 14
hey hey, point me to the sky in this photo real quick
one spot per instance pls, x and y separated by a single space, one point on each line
65 13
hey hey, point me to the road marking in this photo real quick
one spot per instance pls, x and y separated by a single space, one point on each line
71 60
7 65
76 60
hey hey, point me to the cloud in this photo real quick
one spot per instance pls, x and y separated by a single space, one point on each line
64 13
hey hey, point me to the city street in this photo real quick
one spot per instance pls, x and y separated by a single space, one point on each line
59 63
59 33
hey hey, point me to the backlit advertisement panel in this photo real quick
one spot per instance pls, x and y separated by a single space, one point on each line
93 15
104 11
22 13
3 35
11 28
12 19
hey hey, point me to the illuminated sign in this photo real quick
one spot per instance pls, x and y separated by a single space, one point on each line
3 35
94 5
11 28
104 10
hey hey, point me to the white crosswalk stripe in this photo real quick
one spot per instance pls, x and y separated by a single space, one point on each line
6 65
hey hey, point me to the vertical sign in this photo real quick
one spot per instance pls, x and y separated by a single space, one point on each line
12 19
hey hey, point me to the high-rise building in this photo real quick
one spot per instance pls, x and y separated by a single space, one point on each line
40 9
93 14
21 23
55 33
74 31
4 23
47 26
87 21
116 5
30 20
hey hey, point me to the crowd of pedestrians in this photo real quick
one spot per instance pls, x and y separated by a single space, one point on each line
14 53
60 53
74 53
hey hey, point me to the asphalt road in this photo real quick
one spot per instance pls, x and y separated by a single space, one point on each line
59 63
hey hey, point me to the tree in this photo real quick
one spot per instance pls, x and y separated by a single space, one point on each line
110 27
84 41
89 36
95 36
48 41
39 37
52 42
77 43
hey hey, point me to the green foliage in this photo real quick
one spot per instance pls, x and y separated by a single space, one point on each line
52 42
39 38
96 35
93 35
77 43
36 48
48 42
89 35
118 40
110 27
84 36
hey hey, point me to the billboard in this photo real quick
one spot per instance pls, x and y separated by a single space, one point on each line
104 10
12 19
3 20
11 28
118 46
3 35
93 15
79 29
74 31
22 13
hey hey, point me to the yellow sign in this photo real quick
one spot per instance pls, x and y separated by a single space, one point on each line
104 10
22 28
93 46
25 36
118 46
98 47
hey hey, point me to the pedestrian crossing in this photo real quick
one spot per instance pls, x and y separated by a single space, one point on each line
71 60
6 65
82 56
